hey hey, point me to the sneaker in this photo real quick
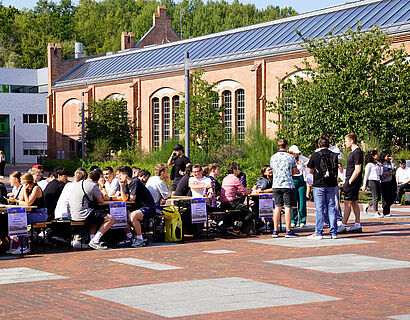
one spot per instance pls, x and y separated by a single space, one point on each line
96 245
78 245
275 234
397 203
26 250
326 225
315 237
341 229
333 236
302 225
127 242
290 234
138 243
365 208
292 225
387 215
378 214
355 229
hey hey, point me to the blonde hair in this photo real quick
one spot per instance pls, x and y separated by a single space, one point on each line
27 177
35 171
159 168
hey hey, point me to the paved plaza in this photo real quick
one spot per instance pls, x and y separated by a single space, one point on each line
358 276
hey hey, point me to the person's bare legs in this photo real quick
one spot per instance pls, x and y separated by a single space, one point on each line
108 222
356 210
347 210
276 218
288 218
135 218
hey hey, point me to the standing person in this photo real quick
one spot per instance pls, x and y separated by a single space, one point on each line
284 166
179 160
323 166
351 188
403 180
372 172
388 182
299 215
158 184
53 190
2 163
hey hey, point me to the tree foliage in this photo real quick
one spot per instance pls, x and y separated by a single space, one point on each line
24 34
108 122
207 130
357 83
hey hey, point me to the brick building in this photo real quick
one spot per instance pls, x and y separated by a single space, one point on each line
245 63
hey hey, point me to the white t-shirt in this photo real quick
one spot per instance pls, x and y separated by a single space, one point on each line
202 184
158 189
300 165
333 149
42 184
62 210
402 175
112 187
17 192
341 175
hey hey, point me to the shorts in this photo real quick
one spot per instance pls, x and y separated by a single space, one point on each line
283 197
351 191
96 217
148 212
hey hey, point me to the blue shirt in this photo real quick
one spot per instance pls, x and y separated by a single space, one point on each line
282 164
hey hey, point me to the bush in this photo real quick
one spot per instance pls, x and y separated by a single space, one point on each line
70 165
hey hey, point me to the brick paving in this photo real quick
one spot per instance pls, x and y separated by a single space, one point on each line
374 294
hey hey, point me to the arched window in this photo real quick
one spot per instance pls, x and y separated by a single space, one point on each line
175 102
156 124
227 100
166 118
240 109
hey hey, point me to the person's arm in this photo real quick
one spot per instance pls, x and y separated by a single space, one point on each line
356 172
164 190
171 160
366 176
28 200
123 195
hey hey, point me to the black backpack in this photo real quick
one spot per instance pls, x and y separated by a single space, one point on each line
328 165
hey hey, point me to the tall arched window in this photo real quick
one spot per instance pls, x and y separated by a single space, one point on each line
227 99
156 124
167 118
240 109
175 102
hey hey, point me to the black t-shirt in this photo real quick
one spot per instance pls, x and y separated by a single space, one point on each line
319 179
143 196
355 157
180 164
183 188
51 195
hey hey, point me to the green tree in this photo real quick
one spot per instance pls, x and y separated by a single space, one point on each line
349 87
108 120
207 130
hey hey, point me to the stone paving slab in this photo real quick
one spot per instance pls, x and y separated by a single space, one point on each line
196 297
343 263
304 242
22 274
145 264
219 251
401 317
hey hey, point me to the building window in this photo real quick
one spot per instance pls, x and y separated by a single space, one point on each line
288 104
34 148
24 89
4 88
167 118
34 118
227 99
156 126
240 107
176 112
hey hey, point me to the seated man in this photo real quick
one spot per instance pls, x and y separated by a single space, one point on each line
82 195
403 180
134 190
53 190
200 186
144 175
183 186
158 185
111 186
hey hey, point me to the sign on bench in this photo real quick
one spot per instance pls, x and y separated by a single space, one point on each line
198 210
17 219
119 211
266 204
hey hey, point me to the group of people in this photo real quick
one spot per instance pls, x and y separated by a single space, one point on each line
287 177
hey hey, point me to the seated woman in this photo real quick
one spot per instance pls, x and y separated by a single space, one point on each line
32 195
262 184
14 180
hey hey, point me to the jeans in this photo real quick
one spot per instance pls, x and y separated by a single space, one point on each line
37 215
401 190
375 188
325 198
339 216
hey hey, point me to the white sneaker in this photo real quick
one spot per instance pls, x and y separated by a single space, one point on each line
333 237
378 214
315 237
302 225
341 229
292 225
18 250
96 245
138 243
354 229
365 208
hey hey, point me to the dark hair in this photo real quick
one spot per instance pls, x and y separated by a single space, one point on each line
369 157
94 167
232 166
125 169
325 136
61 171
52 173
402 161
323 142
94 176
197 166
108 169
188 169
263 169
282 143
383 155
144 172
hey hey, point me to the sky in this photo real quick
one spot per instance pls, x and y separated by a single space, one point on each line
300 6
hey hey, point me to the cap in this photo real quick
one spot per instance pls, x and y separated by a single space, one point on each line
39 167
294 149
178 147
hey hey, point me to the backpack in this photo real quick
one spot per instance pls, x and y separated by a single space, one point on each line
328 165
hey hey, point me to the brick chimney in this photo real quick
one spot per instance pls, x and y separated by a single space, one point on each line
127 40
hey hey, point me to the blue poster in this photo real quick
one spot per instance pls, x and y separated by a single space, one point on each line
198 210
266 205
119 211
17 219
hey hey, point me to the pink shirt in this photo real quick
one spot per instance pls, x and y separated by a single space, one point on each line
230 186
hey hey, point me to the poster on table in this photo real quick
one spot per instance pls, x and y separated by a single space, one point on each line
119 211
266 204
198 210
17 219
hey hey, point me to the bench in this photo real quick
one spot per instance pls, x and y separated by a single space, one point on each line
38 227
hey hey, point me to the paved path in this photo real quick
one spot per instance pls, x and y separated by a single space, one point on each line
362 276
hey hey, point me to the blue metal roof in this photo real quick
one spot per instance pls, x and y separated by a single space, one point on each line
259 40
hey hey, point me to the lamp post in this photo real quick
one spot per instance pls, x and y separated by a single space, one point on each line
187 98
14 141
82 126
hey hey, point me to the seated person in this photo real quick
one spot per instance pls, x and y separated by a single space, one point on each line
144 175
38 176
264 182
183 187
214 171
200 186
14 180
159 185
82 196
135 171
111 186
62 210
231 188
53 190
403 180
32 195
134 190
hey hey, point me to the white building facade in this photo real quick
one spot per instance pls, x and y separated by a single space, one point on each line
23 114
